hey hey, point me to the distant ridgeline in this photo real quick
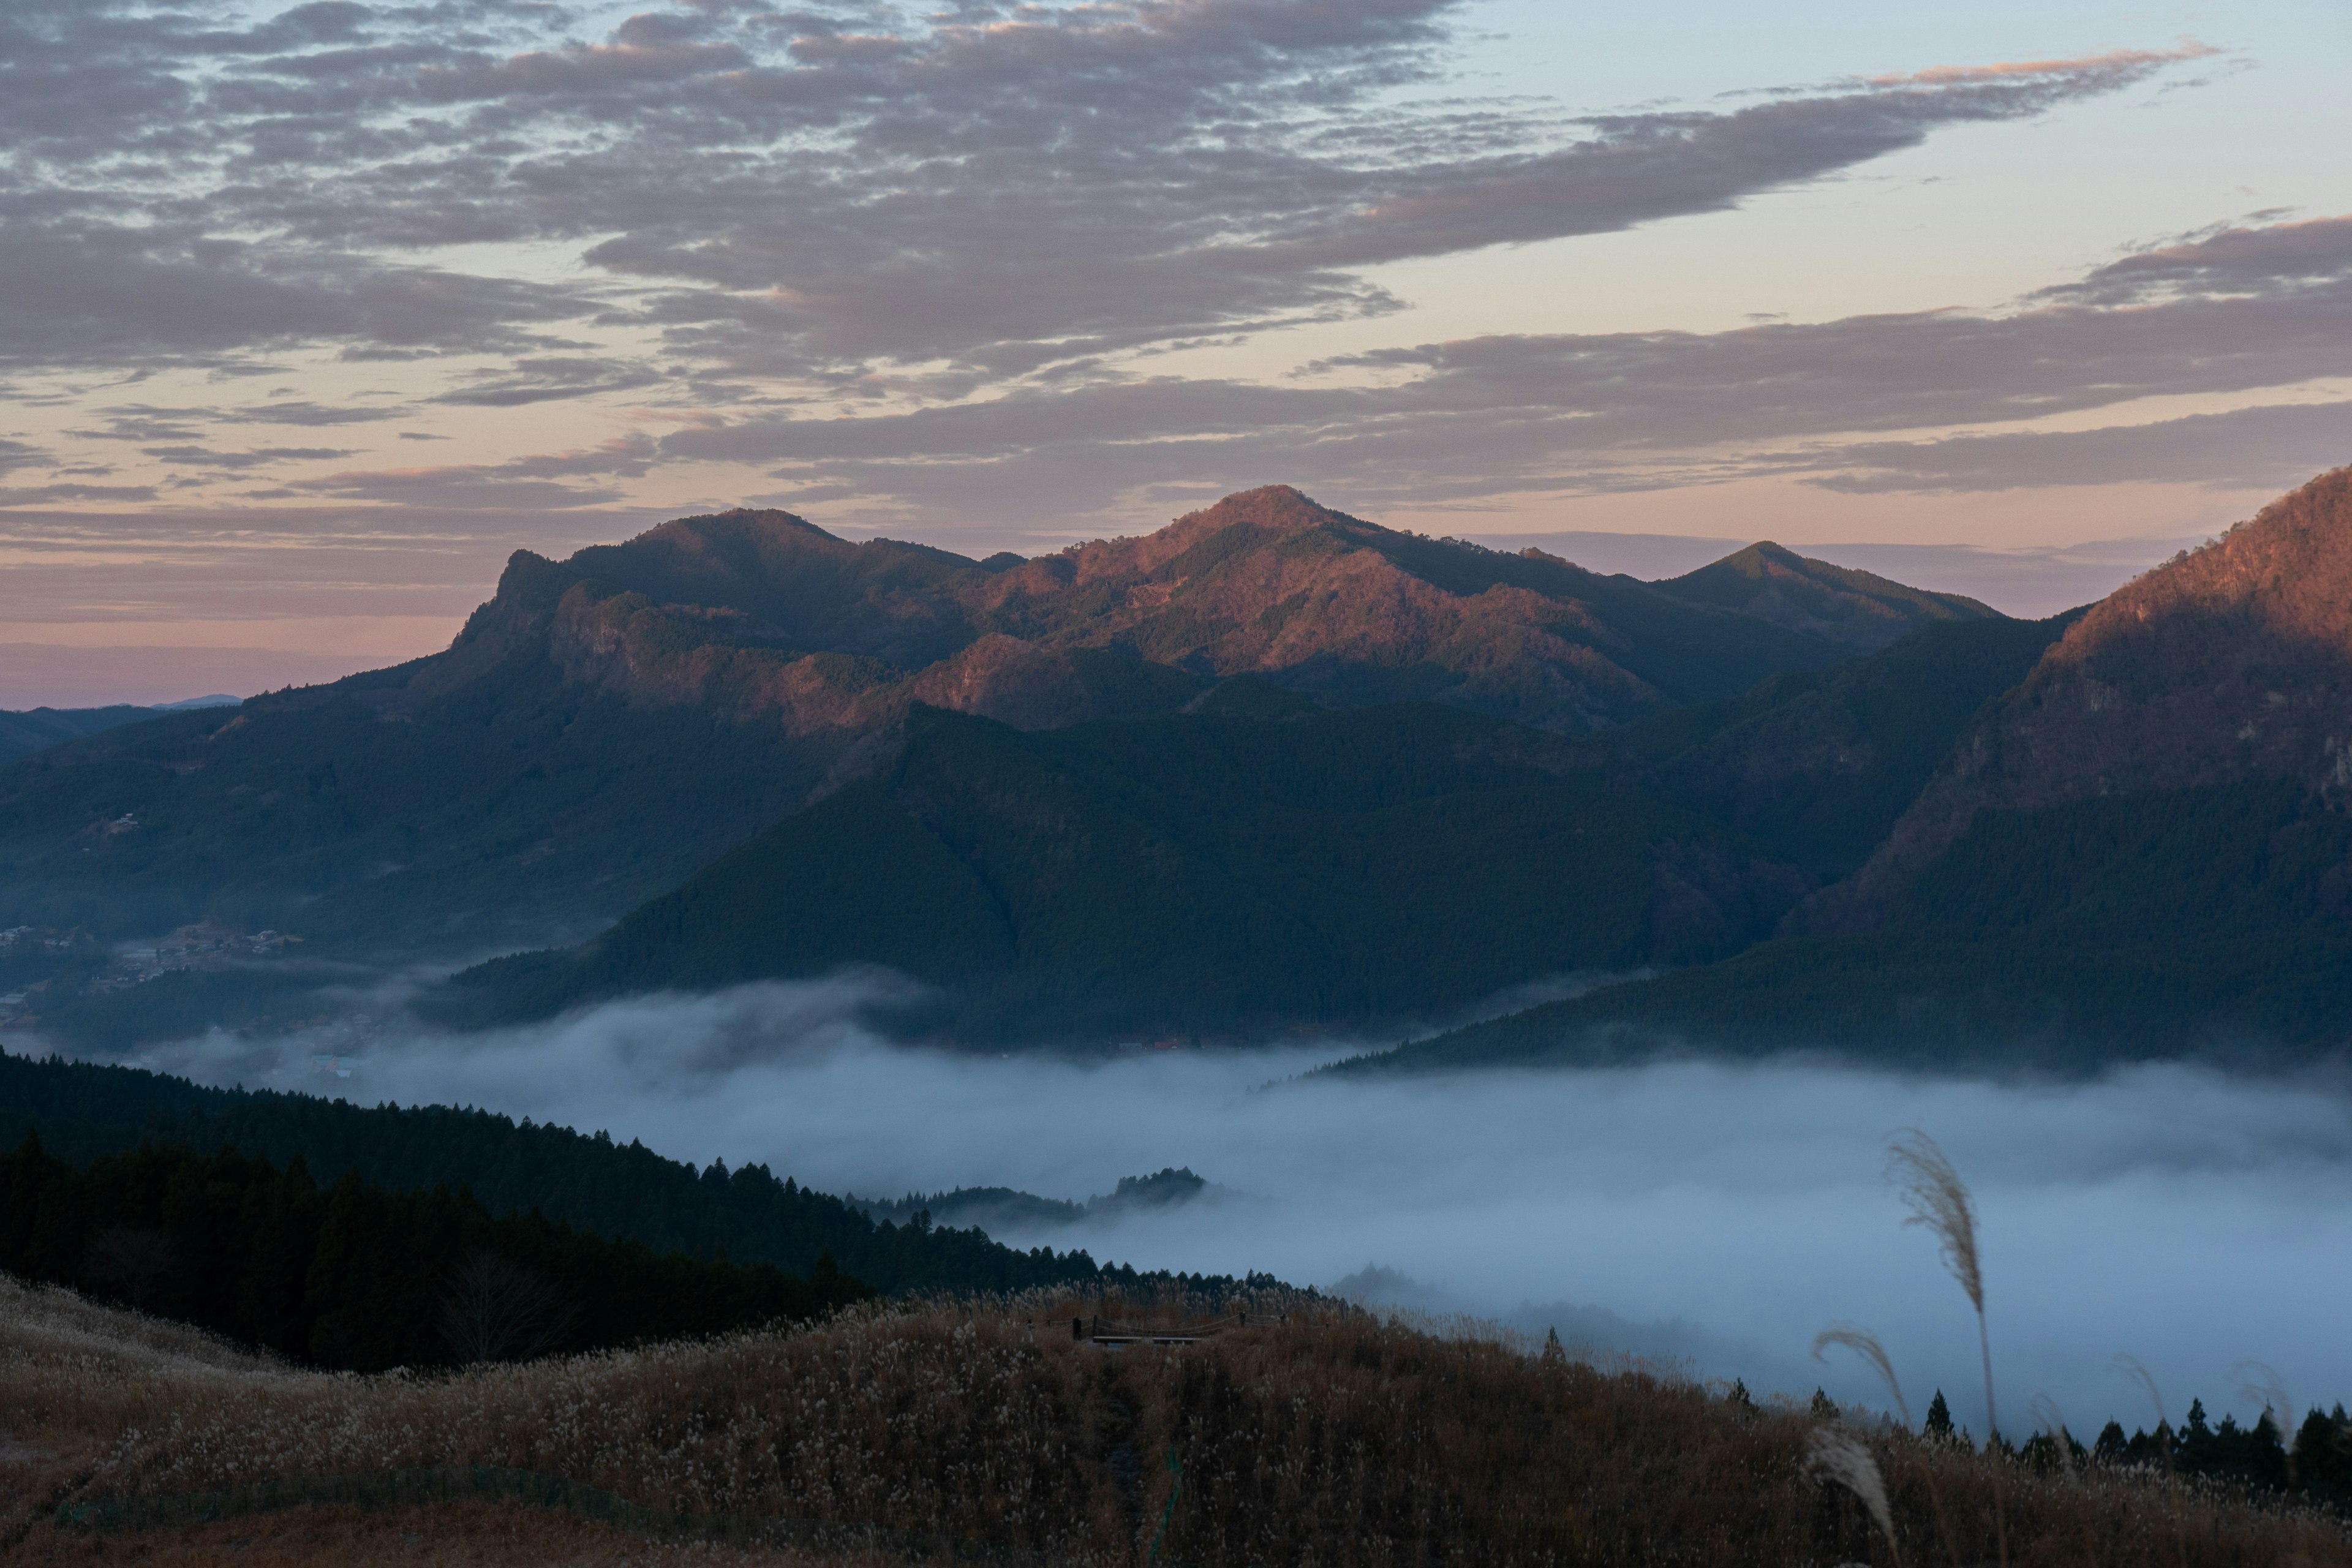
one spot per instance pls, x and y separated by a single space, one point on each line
86 1114
1000 1209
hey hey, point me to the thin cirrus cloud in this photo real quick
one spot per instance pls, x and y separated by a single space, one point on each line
551 480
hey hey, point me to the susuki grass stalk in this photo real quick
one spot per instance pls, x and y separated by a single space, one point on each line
1939 1200
2130 1367
1864 1343
2258 1381
1838 1456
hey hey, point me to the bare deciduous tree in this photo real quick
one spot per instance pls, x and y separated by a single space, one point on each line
494 1308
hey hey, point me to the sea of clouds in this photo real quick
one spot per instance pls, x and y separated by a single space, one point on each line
1720 1213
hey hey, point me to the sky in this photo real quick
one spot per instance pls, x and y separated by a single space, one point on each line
1716 1214
316 312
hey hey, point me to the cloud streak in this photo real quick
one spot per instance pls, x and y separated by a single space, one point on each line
2240 312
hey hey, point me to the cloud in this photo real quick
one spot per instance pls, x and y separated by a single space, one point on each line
49 495
532 482
96 294
2277 260
1727 1211
2270 447
547 381
257 457
814 193
1597 413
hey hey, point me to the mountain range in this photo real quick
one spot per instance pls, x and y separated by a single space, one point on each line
1271 767
605 725
2138 848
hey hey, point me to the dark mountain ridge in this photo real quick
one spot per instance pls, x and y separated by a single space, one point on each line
2230 663
31 729
2139 849
605 726
1257 863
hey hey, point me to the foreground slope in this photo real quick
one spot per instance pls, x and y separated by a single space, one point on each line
2141 849
1310 1434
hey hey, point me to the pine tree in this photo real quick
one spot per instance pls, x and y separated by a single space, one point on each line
1939 1420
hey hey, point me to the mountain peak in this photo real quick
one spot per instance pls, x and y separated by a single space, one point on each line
1268 506
1857 609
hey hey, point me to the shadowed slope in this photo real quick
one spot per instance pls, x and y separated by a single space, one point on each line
1201 872
1844 604
2141 849
603 725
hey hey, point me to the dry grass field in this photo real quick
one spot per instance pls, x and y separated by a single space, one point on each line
983 1432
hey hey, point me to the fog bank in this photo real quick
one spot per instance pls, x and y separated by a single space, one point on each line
1720 1211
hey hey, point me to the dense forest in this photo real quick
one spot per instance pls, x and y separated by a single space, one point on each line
27 730
2119 928
353 1275
1257 863
85 1112
2314 1463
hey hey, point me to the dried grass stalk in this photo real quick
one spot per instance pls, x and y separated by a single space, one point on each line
1938 1199
1836 1455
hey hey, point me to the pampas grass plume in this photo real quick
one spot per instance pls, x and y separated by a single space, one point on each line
1836 1455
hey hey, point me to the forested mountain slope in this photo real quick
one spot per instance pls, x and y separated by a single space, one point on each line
2231 663
85 1112
1257 863
606 724
1859 609
2141 849
1819 765
33 729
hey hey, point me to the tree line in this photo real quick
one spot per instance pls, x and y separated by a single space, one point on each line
350 1276
2315 1465
86 1111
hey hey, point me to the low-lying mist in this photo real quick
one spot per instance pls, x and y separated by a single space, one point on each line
1721 1213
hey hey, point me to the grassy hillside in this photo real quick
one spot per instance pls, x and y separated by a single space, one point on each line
2114 928
1259 861
982 1430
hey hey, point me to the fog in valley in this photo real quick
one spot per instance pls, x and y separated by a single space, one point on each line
1720 1213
